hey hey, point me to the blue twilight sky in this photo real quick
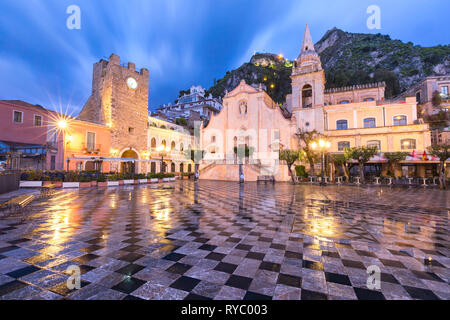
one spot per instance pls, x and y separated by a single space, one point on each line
181 42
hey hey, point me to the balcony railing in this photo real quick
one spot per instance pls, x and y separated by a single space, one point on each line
91 148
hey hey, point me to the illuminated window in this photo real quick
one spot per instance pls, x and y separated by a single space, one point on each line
153 143
400 121
341 125
369 123
344 101
444 90
374 143
368 99
172 146
342 145
408 144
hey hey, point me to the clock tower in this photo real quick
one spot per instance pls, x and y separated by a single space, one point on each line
119 100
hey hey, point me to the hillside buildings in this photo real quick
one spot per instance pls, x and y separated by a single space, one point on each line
194 104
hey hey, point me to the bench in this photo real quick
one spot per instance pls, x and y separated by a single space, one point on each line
48 190
17 204
266 179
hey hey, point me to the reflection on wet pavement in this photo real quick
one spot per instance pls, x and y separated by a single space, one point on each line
221 240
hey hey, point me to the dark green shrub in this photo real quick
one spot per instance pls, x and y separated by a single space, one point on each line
301 171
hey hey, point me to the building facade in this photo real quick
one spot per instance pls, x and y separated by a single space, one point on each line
352 116
250 119
424 91
26 140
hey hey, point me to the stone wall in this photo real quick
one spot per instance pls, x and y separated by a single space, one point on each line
122 108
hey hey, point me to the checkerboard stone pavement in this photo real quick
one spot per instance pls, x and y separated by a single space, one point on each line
219 240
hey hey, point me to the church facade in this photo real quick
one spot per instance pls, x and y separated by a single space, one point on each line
348 117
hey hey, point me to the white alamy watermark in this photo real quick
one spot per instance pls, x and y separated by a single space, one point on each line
374 279
74 280
374 20
73 22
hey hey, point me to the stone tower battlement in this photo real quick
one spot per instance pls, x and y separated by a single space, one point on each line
119 100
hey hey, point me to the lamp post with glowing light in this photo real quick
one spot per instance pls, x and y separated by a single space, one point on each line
163 151
322 145
62 126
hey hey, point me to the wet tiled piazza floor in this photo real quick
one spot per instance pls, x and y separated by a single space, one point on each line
218 240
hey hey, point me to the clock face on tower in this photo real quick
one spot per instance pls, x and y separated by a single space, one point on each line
132 83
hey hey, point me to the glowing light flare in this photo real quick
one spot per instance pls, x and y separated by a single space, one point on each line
62 124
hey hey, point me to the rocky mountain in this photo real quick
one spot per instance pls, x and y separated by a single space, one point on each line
348 58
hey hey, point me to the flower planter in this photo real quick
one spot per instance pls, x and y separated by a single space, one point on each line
102 184
160 180
46 183
143 181
128 181
136 181
94 183
58 184
71 185
113 183
185 177
120 183
30 184
85 184
154 180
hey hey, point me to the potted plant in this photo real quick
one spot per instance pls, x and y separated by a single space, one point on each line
113 180
31 179
142 178
85 182
46 180
120 179
57 182
152 177
71 180
101 181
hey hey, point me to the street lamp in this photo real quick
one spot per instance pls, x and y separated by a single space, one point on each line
322 146
163 151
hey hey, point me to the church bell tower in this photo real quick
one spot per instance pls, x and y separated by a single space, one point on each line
308 86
